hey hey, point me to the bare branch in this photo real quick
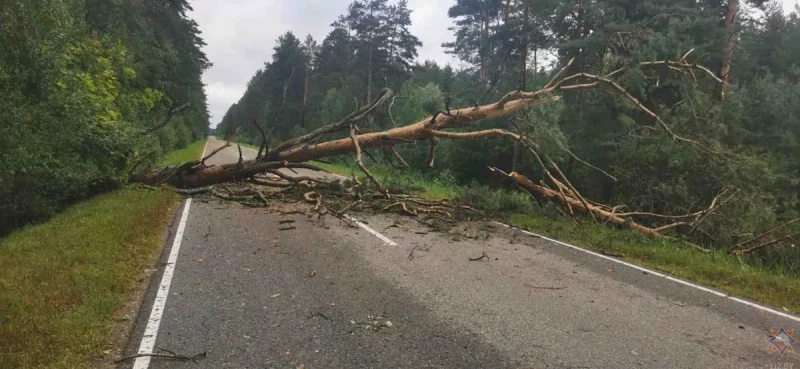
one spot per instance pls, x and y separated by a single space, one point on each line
360 162
172 111
227 145
766 233
432 152
400 158
351 118
764 245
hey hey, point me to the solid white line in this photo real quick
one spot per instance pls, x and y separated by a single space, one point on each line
151 331
375 233
205 147
671 278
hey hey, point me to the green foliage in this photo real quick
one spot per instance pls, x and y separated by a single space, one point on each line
750 142
82 82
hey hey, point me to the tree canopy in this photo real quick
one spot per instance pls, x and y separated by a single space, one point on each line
85 84
741 133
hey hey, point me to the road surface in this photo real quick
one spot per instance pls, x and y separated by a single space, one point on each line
245 294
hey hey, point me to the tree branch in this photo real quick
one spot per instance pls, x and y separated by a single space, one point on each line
168 118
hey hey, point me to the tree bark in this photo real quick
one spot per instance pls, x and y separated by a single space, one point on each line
484 49
523 51
728 23
305 97
369 75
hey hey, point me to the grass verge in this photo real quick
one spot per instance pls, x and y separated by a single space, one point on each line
61 281
189 153
734 275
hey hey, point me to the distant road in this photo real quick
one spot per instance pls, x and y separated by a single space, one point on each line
249 295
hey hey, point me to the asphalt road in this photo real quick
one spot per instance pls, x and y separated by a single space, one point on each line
249 295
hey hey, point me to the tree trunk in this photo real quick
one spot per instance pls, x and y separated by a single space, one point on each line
305 97
728 23
523 51
484 51
369 75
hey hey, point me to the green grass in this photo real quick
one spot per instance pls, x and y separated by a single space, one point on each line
733 275
407 182
61 281
772 285
191 152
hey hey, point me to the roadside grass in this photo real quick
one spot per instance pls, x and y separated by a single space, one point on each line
191 152
61 281
734 275
739 276
431 188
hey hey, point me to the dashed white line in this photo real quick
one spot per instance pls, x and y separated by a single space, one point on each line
151 331
657 274
367 228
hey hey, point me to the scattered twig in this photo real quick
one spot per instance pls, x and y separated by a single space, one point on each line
170 355
547 288
483 256
411 254
227 145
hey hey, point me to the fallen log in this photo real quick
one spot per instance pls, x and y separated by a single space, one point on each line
295 152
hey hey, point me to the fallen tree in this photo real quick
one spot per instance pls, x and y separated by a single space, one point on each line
455 125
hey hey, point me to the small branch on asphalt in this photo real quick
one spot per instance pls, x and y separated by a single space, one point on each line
411 254
227 144
170 355
483 256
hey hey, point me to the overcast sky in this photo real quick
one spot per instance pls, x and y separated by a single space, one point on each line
241 34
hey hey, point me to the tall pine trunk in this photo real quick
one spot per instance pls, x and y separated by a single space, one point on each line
523 52
484 51
305 98
369 75
728 23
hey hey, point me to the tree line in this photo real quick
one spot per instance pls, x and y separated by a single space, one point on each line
744 122
93 90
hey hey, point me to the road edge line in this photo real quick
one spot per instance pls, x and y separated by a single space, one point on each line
367 228
154 322
662 275
205 147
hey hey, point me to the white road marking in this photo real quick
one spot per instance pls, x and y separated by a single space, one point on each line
151 331
205 147
367 228
693 285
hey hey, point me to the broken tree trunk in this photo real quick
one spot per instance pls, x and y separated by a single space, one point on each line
295 152
728 23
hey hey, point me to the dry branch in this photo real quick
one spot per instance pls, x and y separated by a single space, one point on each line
360 162
764 245
172 111
294 152
400 158
227 145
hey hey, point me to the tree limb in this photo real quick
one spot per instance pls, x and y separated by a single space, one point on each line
172 111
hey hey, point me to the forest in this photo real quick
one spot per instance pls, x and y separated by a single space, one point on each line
677 118
92 91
